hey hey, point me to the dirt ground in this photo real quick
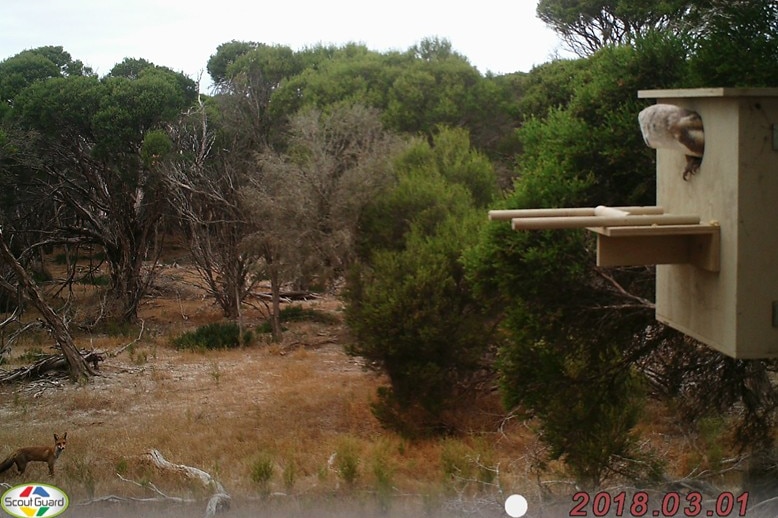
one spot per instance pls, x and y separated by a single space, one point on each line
272 423
296 405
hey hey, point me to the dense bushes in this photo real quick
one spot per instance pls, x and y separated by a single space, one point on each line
218 335
579 338
227 335
409 304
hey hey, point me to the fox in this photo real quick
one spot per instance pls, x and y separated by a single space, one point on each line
48 454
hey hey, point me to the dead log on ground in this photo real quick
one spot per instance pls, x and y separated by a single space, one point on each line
77 367
48 365
219 501
289 296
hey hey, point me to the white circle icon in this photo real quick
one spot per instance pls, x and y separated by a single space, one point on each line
516 506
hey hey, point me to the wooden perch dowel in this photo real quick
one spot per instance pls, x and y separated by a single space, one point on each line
630 236
602 221
507 215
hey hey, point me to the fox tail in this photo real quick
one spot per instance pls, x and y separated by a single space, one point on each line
7 463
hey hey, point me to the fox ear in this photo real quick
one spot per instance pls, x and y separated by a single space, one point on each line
65 436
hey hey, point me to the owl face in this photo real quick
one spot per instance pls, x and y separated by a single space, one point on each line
666 126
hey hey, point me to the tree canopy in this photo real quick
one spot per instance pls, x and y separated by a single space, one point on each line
92 182
338 162
589 25
571 325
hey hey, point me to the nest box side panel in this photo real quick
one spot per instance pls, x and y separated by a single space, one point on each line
696 302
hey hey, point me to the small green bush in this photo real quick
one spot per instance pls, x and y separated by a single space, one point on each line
248 337
300 314
218 335
81 470
289 474
41 275
61 259
262 472
32 355
116 328
347 461
122 466
383 473
455 460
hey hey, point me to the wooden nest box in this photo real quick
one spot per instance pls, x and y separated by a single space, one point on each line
713 237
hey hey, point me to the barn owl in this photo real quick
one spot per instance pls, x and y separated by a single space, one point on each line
666 126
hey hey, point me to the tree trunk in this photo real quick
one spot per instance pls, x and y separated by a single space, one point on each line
125 295
129 282
275 294
79 369
230 295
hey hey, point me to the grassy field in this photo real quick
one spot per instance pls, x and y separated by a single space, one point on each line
285 428
277 424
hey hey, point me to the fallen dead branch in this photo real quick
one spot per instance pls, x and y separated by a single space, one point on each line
219 501
117 499
130 344
148 485
47 366
289 296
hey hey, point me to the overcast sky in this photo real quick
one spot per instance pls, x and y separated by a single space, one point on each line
500 36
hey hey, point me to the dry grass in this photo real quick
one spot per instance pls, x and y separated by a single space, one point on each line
297 411
302 406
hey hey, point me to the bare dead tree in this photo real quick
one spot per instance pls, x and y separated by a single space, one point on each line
78 367
120 218
204 187
306 203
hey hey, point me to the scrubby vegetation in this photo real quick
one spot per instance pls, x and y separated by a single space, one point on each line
217 335
455 360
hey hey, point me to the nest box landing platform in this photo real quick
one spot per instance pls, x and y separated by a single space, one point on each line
630 236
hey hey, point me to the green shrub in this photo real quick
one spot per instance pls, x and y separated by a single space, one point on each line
383 473
218 335
122 466
41 275
32 355
289 474
413 313
116 328
455 460
298 313
347 461
248 337
468 466
262 472
81 470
